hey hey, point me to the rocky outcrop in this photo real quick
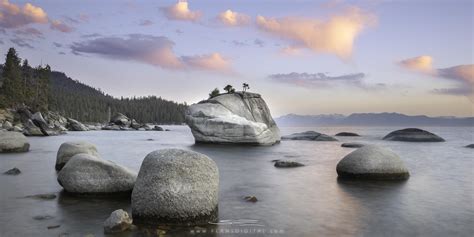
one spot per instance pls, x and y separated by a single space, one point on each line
86 174
176 187
347 134
120 120
13 142
309 136
413 135
74 125
69 149
235 118
372 162
118 221
352 145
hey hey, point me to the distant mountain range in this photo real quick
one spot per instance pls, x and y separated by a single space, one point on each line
371 119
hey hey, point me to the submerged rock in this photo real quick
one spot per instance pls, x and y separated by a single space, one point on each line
46 196
74 125
309 136
70 149
470 146
250 199
413 135
14 171
86 174
372 162
176 187
352 145
13 142
287 164
235 118
347 134
118 221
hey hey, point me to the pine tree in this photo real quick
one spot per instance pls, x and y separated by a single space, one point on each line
12 89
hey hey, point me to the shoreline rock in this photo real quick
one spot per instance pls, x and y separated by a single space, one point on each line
176 187
234 118
413 135
287 164
69 149
13 142
309 136
118 221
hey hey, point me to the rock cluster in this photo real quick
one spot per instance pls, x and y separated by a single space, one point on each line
120 122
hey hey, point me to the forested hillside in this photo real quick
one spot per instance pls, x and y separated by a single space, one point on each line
74 99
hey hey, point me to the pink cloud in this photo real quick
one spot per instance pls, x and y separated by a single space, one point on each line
231 18
181 11
61 26
13 16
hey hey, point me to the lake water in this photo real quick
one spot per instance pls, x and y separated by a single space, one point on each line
437 200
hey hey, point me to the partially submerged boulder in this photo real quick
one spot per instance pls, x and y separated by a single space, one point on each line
309 136
13 142
413 135
347 134
287 164
176 187
118 221
31 129
74 125
352 145
87 174
69 149
372 162
13 171
234 118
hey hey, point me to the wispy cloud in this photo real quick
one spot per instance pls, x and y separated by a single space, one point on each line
61 26
323 80
29 32
57 45
146 23
462 74
232 18
14 16
335 35
21 43
153 50
181 11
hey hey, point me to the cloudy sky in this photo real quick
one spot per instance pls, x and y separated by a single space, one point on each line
304 57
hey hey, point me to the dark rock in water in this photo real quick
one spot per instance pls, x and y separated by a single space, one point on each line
74 125
470 146
372 162
120 120
53 226
111 127
150 139
287 164
250 198
158 128
176 187
309 136
11 142
413 135
43 217
233 118
14 171
118 221
347 134
86 174
167 130
352 145
46 196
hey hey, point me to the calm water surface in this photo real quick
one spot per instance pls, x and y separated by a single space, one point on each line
437 200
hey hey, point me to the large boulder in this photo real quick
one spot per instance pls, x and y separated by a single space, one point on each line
309 136
372 162
118 221
120 120
31 129
87 174
13 142
74 125
235 118
413 135
69 149
176 187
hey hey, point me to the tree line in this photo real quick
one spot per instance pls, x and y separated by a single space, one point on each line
41 89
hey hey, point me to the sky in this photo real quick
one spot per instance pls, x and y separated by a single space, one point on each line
303 57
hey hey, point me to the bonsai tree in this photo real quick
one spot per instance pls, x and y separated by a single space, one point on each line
245 87
229 89
214 93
